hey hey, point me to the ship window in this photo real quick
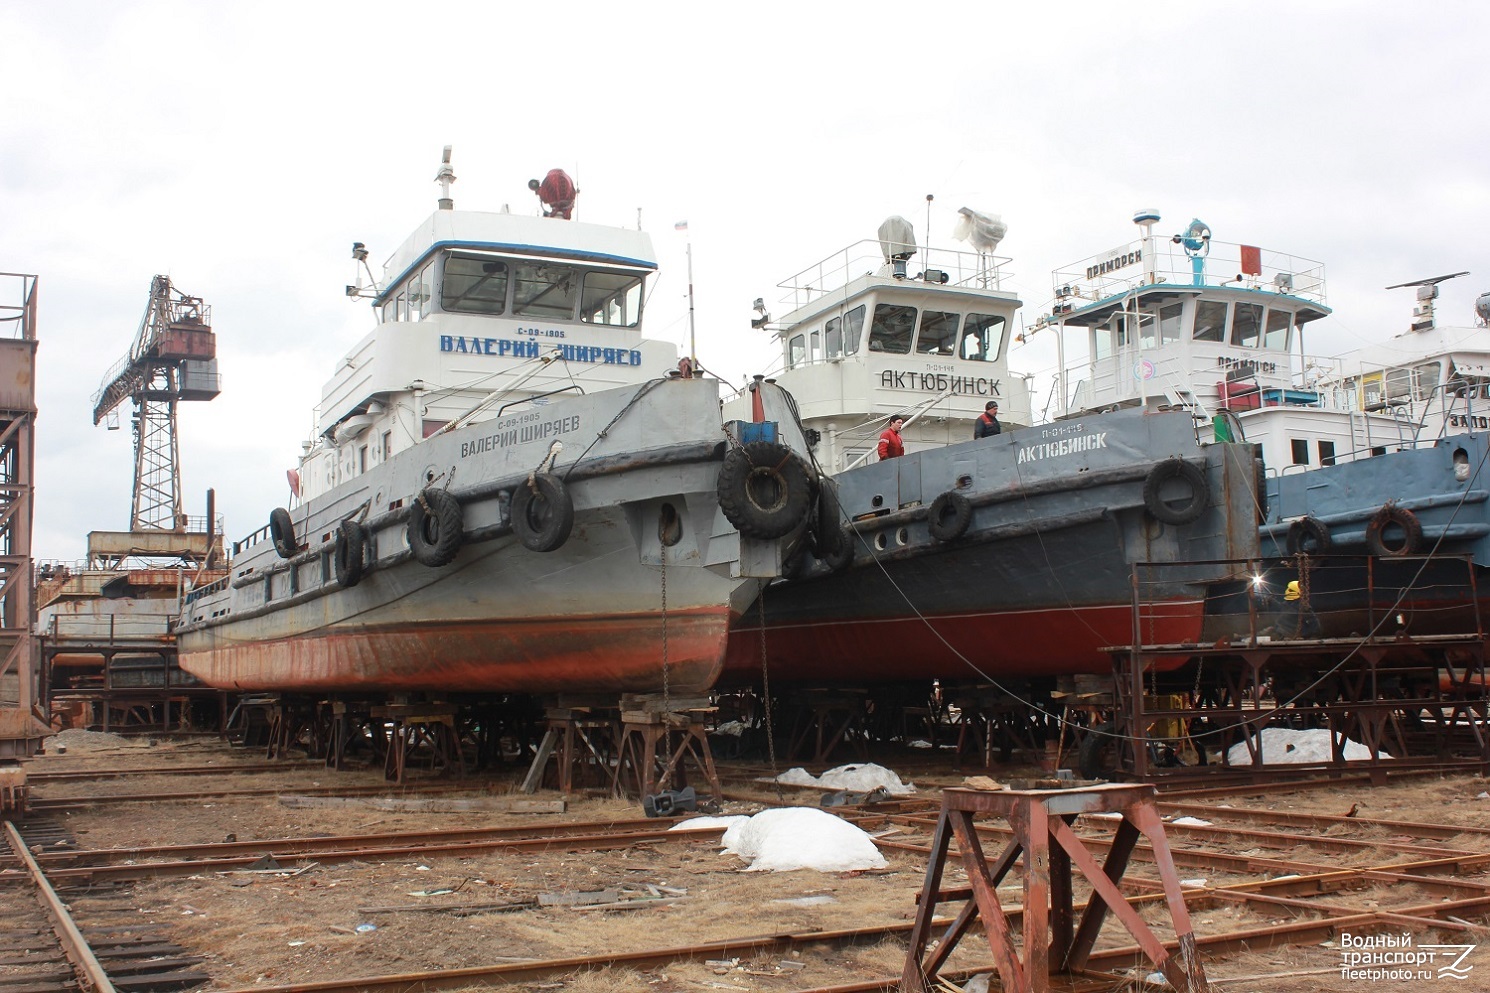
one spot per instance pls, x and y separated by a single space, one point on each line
1326 453
1300 451
387 445
361 459
544 290
853 329
611 298
833 337
1246 325
1148 329
892 327
815 347
796 351
474 286
1378 450
982 337
1399 384
938 333
401 306
420 293
1170 322
1210 321
1276 336
1427 376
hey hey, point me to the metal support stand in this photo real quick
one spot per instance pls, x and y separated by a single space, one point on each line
830 718
420 725
656 744
1053 941
581 740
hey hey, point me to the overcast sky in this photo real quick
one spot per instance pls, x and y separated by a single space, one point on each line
241 148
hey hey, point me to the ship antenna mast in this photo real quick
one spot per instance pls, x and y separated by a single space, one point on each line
445 177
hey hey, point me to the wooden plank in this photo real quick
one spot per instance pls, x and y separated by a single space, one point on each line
514 805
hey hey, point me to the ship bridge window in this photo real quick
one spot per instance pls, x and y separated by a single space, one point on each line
796 351
611 298
853 330
421 293
540 289
1276 336
833 337
1210 321
1246 325
982 337
1170 323
938 333
474 286
892 327
1399 384
1427 379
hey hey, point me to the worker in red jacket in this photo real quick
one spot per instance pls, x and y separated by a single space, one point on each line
891 446
987 423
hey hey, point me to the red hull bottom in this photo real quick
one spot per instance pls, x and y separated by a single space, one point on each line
594 654
963 647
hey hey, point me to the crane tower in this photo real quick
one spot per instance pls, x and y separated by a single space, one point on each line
173 358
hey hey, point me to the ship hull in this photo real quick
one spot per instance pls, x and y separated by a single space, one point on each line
637 598
1041 584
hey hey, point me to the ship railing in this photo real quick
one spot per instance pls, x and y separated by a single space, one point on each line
216 586
1128 267
262 534
1364 596
866 258
18 309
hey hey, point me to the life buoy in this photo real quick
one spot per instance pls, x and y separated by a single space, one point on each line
542 513
763 489
1308 535
282 532
1171 507
350 553
949 516
434 533
1381 543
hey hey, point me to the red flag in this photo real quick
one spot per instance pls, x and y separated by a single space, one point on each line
1251 260
294 478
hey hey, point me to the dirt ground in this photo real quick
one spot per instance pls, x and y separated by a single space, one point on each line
268 928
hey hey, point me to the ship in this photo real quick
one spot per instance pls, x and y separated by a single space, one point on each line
510 489
1025 554
1373 503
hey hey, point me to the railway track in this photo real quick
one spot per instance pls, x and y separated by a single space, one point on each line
43 949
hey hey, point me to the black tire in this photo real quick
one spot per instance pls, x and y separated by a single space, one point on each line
763 490
798 565
1381 542
949 516
1308 535
1096 758
842 555
282 532
828 525
435 523
350 553
1261 473
543 513
1164 504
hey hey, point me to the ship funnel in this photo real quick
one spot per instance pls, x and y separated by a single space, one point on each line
897 243
982 231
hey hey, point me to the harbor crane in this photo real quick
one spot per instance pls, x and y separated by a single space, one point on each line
173 358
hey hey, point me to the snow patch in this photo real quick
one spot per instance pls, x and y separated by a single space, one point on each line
1285 746
787 838
859 778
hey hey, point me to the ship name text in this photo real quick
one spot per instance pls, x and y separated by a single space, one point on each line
940 382
1244 365
518 434
533 349
1118 261
1066 446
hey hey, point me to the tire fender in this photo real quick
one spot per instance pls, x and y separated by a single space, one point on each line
1169 510
350 553
1390 514
842 555
435 523
282 533
542 513
763 490
949 516
1310 536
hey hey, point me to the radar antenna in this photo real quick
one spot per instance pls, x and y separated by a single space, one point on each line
1422 313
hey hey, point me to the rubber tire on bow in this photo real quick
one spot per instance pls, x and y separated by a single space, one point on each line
349 553
1166 512
542 513
1310 536
435 522
1260 471
1389 514
282 533
763 490
828 525
949 516
842 555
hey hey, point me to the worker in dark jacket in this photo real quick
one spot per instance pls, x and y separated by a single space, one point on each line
987 423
